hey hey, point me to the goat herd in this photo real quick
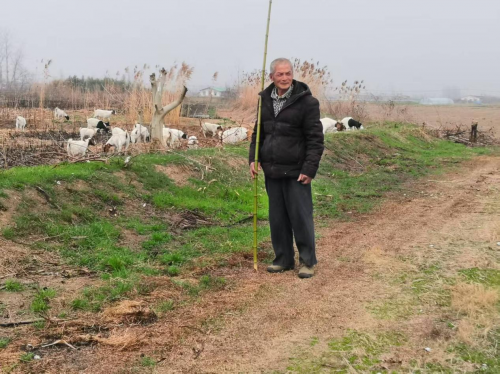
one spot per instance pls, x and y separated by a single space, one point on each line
120 139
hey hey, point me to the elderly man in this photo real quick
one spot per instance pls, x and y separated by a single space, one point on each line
291 146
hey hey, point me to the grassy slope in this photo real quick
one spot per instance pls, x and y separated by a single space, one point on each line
357 169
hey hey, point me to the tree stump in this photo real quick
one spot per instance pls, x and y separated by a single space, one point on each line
473 132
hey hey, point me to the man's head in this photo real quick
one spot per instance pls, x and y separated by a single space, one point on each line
282 74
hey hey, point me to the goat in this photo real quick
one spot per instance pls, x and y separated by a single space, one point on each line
118 139
210 128
174 136
59 113
85 132
139 132
103 113
351 124
193 142
78 148
329 125
20 123
234 135
94 123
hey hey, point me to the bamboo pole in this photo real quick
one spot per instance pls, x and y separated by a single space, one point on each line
257 141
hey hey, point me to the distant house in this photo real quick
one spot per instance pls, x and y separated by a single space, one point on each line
471 100
212 92
437 101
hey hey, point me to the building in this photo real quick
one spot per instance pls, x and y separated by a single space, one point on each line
471 100
213 92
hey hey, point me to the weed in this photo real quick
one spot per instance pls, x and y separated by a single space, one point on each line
173 271
39 325
8 233
4 342
12 285
27 357
163 307
148 361
40 303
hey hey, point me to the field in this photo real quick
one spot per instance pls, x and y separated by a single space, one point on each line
488 117
146 266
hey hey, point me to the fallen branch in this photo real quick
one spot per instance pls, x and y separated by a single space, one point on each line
14 324
64 342
47 197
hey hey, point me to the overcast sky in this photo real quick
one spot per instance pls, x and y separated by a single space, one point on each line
406 46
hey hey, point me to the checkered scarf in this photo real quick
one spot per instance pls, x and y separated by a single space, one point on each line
279 101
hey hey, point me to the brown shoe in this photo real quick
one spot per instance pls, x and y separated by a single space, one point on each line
278 268
306 272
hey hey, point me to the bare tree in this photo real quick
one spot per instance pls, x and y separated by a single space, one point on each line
13 75
159 111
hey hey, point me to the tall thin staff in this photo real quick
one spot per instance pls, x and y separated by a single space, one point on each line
257 141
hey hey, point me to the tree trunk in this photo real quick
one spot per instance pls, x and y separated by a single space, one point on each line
473 133
159 111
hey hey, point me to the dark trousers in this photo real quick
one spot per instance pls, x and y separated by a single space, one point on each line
291 214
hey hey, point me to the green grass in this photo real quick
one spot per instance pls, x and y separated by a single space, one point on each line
148 361
489 277
94 298
356 351
12 285
27 357
4 342
40 303
163 307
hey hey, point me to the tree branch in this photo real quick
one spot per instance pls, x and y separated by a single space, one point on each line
174 104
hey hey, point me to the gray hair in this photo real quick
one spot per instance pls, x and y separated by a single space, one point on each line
280 61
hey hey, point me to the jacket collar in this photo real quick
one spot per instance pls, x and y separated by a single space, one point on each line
299 89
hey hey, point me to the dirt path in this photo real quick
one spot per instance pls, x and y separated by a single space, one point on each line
280 322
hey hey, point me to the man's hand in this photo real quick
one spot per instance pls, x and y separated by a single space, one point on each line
254 172
304 179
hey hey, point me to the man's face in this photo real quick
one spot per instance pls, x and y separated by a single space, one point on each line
283 76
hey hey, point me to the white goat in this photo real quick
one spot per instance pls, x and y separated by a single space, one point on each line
193 142
103 113
210 128
77 148
234 135
174 137
20 123
59 113
139 133
85 132
329 125
94 123
119 139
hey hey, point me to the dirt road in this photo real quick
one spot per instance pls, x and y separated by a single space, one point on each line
354 258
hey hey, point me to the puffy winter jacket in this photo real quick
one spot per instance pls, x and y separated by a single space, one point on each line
292 142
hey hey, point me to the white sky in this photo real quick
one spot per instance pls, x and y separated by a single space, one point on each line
407 46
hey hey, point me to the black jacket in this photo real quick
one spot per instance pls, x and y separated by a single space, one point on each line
291 143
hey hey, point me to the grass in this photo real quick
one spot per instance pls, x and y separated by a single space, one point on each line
148 361
40 303
27 357
370 163
12 285
4 342
488 277
356 351
163 307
